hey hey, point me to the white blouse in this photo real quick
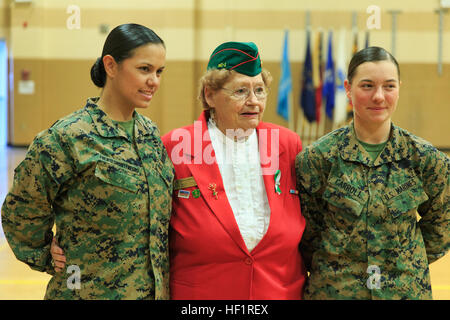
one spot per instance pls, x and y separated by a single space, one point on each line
239 165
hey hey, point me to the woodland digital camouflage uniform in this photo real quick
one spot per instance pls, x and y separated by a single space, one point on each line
110 199
361 216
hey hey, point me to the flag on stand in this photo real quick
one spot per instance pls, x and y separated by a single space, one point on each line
329 83
307 99
355 42
341 102
318 74
285 86
354 51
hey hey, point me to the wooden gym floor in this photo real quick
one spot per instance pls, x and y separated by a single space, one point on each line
19 282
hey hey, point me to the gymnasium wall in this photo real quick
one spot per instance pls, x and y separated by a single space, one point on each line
4 19
42 39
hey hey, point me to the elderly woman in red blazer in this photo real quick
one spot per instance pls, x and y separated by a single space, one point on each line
236 222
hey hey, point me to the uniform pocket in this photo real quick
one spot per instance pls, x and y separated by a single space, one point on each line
351 201
403 210
116 176
408 200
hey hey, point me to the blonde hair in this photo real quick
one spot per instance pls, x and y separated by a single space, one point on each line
216 78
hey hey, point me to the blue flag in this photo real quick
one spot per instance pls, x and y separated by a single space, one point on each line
307 99
329 85
285 86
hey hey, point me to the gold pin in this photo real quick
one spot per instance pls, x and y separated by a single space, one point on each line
212 187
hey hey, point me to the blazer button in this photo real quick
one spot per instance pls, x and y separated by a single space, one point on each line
248 261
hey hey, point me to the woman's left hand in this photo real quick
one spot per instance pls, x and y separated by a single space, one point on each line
58 256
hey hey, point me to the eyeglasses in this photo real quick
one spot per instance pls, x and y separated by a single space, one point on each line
243 93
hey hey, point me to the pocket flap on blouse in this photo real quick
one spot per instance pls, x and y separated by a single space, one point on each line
116 176
407 200
344 199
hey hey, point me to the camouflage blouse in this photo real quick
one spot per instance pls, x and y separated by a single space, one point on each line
110 198
373 227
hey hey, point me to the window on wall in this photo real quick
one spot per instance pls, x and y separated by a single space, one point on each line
3 93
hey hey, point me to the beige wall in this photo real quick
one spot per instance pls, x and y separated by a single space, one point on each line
60 59
4 26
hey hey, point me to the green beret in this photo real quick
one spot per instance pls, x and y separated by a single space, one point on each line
242 57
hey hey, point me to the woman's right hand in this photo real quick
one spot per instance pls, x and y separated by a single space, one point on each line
59 259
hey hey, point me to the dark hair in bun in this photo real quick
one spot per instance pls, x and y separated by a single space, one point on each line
98 73
370 54
120 44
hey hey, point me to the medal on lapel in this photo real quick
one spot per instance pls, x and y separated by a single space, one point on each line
277 178
212 187
196 193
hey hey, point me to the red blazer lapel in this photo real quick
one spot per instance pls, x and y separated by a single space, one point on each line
270 151
208 173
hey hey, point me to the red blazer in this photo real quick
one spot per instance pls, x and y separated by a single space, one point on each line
208 256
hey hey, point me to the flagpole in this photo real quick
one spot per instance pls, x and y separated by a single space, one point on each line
300 124
301 116
329 87
308 34
394 14
440 12
321 125
291 122
309 30
315 76
291 113
340 108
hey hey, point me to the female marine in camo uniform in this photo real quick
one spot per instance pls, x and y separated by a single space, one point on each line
103 175
362 189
